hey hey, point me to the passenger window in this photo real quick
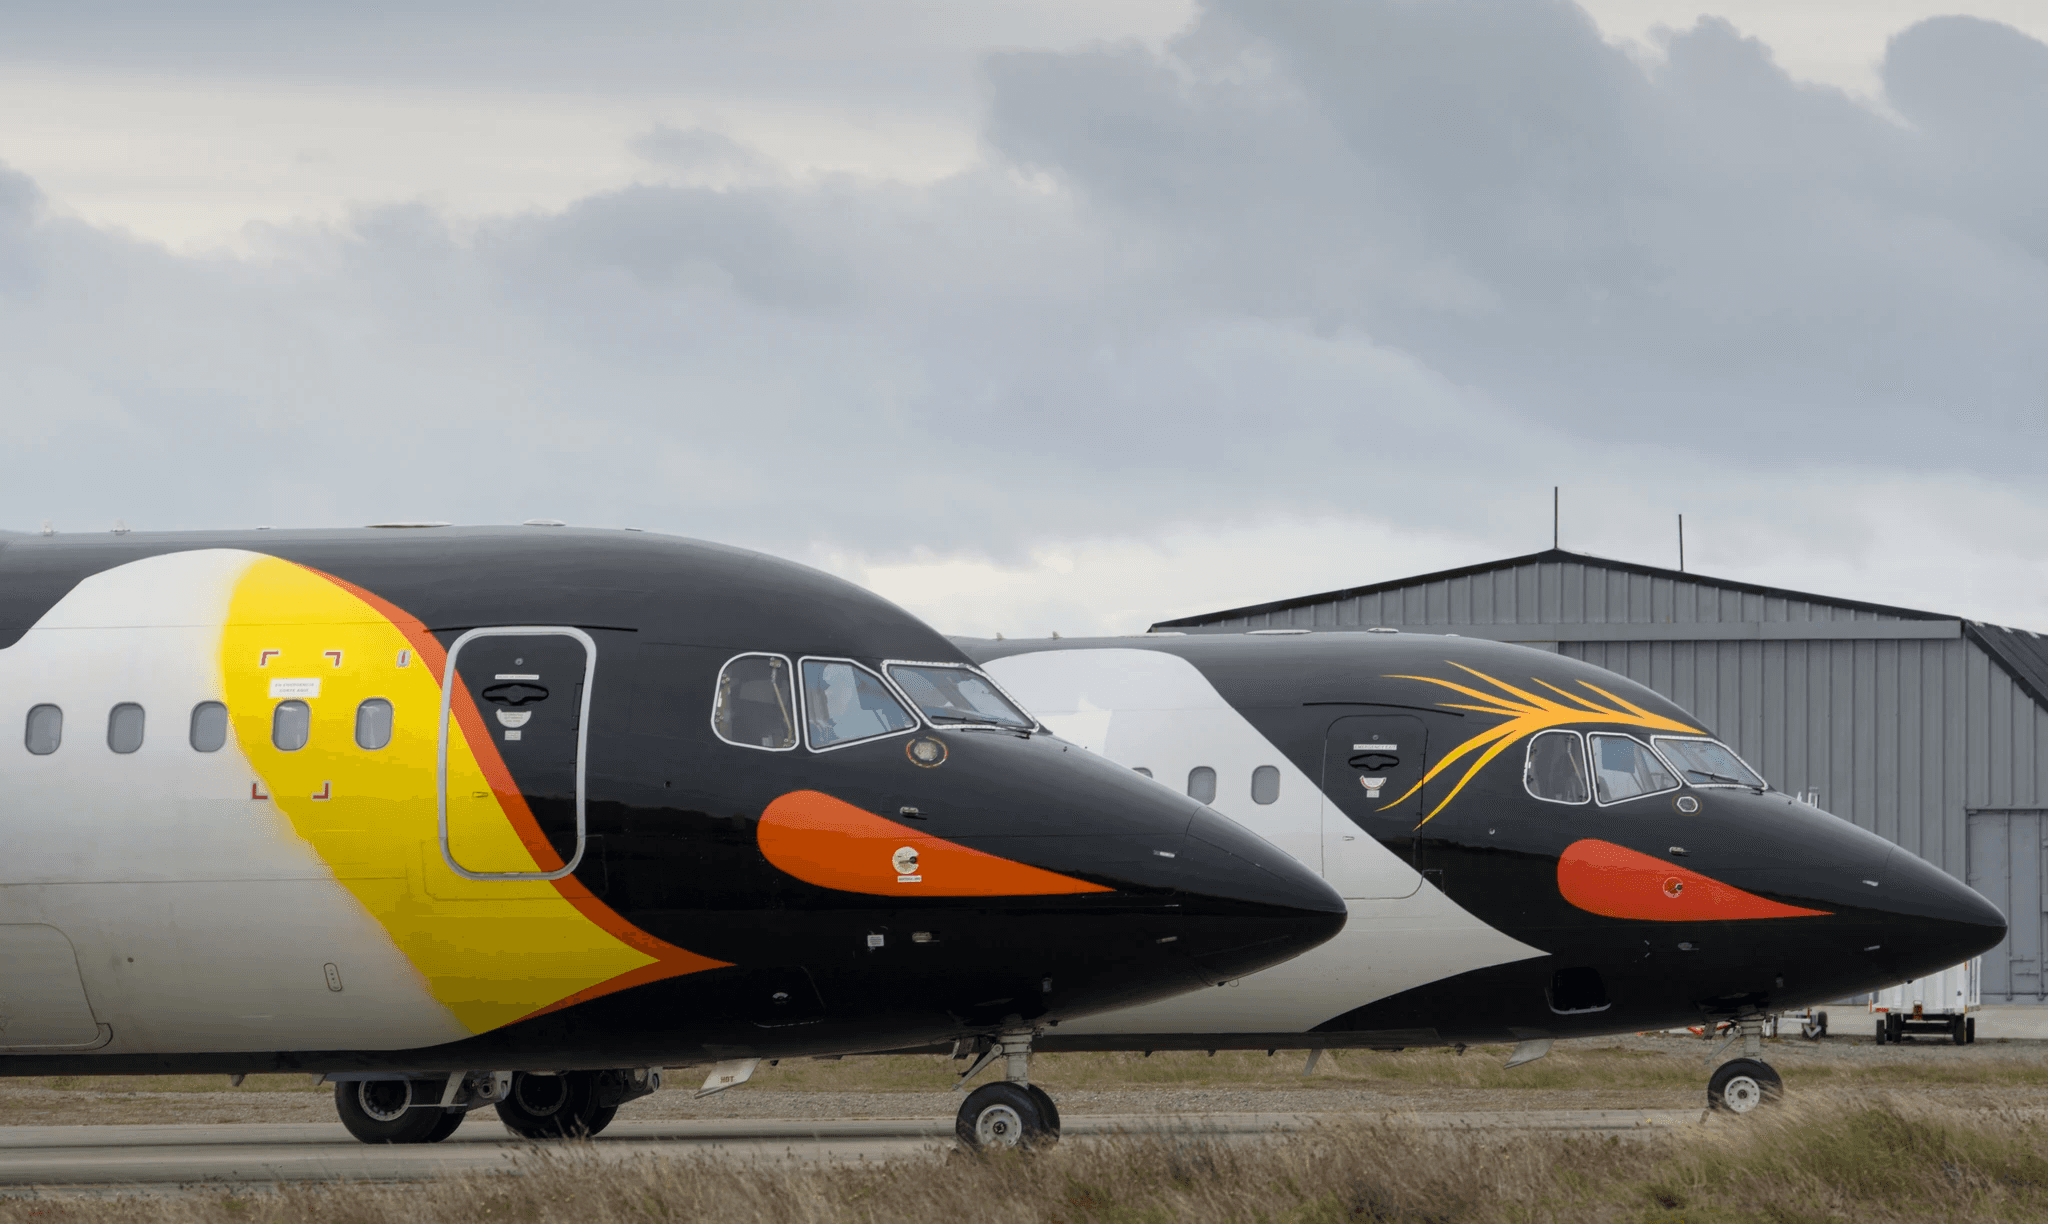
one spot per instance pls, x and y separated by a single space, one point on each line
291 725
1202 784
124 727
373 724
1625 768
1266 784
1555 771
844 702
1705 762
45 729
755 706
209 726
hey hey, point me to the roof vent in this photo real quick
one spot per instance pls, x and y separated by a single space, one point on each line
1382 629
396 525
1274 632
543 523
120 526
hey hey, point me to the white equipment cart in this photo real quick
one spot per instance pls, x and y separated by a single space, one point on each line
1939 1003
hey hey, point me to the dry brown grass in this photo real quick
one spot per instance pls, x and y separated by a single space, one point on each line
1849 1158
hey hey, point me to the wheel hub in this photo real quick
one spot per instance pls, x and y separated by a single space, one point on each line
1742 1094
384 1100
541 1101
999 1126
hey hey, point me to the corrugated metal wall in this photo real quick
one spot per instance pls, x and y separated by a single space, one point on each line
1906 736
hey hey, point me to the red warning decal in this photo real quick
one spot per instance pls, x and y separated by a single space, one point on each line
1617 882
833 844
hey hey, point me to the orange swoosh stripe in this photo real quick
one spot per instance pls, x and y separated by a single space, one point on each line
1617 882
834 844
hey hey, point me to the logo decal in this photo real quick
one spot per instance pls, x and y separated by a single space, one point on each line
905 862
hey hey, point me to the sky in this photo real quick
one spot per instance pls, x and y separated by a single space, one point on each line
1042 315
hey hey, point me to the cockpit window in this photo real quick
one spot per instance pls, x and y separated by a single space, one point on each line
756 703
844 702
1556 768
1705 762
1625 768
956 695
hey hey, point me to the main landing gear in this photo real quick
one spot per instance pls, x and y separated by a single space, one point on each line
1012 1112
1743 1084
398 1108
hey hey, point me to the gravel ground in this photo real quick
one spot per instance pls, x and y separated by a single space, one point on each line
33 1104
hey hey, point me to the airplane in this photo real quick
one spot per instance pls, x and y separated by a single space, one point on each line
1531 847
518 816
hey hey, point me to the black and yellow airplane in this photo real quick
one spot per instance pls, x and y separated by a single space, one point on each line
1531 847
517 816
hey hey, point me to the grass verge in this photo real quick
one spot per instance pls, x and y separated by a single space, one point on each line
1828 1159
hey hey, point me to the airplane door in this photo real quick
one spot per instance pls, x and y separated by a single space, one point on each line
519 698
1369 762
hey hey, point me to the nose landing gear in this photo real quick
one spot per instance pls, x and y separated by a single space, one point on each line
1013 1111
1743 1084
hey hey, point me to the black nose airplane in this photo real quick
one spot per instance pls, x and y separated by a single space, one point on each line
518 816
1531 847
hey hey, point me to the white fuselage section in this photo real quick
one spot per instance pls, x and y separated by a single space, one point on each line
1156 712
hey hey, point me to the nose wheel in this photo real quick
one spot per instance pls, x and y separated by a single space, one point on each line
1742 1085
1012 1112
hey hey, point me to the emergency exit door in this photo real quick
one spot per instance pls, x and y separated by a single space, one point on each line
1371 764
515 721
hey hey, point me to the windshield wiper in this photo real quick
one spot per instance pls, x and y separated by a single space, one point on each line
977 720
1711 776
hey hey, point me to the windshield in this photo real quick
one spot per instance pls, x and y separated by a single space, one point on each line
1706 762
1625 768
957 695
845 702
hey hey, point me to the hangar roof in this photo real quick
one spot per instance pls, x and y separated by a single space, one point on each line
1629 614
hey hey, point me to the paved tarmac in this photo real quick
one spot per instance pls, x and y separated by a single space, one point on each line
35 1157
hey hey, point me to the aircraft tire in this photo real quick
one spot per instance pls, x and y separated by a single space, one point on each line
1049 1113
380 1111
999 1116
551 1106
600 1118
1742 1085
450 1119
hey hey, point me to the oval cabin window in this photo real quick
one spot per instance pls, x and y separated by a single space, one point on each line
1266 784
124 727
209 726
45 729
1202 784
373 724
291 725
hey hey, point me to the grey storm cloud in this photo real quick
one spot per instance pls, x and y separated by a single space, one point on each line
1311 257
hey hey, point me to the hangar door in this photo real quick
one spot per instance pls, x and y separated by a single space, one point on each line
2006 851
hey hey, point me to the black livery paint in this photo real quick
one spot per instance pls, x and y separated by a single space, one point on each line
672 814
1495 850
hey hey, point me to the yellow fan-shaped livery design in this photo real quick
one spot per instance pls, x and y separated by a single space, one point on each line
1525 713
491 951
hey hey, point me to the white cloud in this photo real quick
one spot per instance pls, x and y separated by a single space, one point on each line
1313 294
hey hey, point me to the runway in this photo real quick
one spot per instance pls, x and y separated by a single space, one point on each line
77 1157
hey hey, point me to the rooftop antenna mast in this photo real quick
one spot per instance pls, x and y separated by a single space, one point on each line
1681 543
1553 515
